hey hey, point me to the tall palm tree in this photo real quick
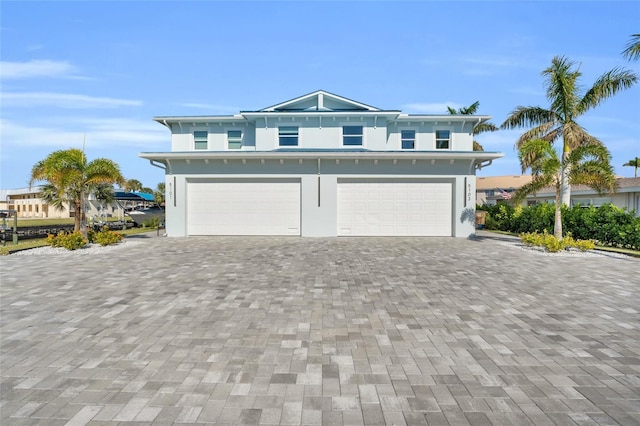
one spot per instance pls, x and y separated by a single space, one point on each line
586 164
132 185
480 128
568 103
633 163
69 178
632 52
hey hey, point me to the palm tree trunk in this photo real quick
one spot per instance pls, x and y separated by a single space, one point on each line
565 188
557 223
77 211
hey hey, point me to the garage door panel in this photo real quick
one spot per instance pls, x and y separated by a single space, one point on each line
394 208
227 207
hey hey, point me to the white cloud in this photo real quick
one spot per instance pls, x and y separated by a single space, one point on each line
63 100
98 132
37 68
430 108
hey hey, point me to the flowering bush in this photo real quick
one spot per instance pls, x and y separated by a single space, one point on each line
70 241
107 237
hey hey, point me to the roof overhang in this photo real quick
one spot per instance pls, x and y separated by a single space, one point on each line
379 155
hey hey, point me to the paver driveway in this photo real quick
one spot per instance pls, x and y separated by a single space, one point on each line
331 331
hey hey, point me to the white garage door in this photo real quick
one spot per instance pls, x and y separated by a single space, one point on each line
394 208
243 207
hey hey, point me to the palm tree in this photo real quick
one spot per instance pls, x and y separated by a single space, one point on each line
586 164
567 104
632 52
480 128
158 194
70 178
633 163
132 185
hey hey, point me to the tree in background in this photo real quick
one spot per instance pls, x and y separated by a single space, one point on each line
70 178
158 194
633 163
480 128
132 185
586 164
632 52
568 102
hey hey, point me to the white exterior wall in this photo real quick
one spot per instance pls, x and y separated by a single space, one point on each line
321 220
325 133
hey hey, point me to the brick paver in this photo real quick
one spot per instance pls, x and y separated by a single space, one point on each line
320 331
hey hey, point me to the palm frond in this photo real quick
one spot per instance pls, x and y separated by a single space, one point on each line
575 136
607 85
562 88
632 50
528 116
544 131
539 156
485 127
532 187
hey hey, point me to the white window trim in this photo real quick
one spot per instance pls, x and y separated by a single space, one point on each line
226 138
294 124
193 137
435 139
415 138
353 123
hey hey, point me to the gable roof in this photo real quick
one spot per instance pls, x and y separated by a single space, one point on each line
320 100
503 182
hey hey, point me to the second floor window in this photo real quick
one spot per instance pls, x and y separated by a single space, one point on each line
352 135
234 139
408 138
288 135
443 139
200 139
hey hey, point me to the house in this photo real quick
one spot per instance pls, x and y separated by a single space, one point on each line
626 196
29 204
321 165
491 190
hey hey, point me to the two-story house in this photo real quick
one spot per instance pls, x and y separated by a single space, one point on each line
321 165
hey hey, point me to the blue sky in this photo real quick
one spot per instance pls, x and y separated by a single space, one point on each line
102 70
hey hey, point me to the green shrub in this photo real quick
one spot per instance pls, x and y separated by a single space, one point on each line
70 241
582 245
153 223
607 225
107 237
545 240
551 244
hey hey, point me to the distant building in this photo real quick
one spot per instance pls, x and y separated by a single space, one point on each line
491 190
627 195
28 203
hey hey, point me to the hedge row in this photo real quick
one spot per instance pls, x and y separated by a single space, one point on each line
608 225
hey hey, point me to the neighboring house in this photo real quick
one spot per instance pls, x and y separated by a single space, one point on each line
27 203
627 195
491 190
321 165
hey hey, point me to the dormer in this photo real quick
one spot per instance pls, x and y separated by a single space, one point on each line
320 100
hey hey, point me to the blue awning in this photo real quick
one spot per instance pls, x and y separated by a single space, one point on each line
133 196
